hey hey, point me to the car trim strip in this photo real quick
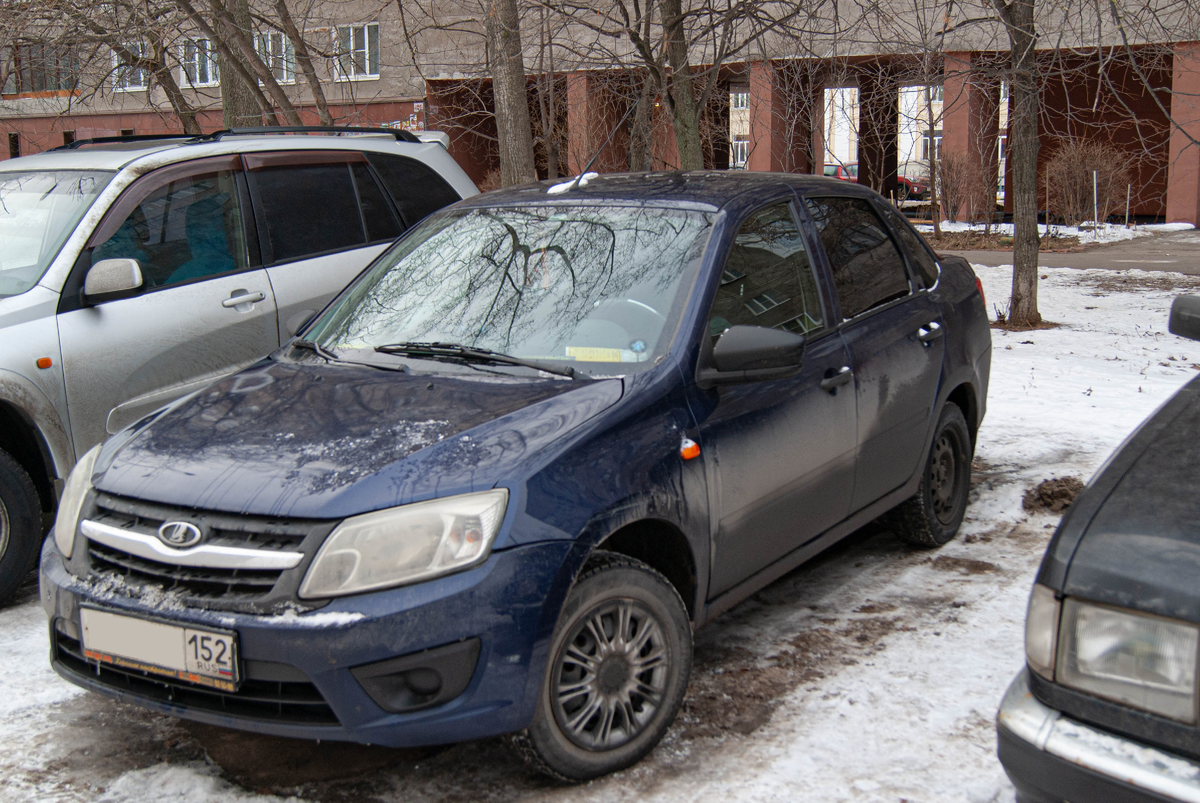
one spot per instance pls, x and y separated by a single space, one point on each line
1132 762
206 555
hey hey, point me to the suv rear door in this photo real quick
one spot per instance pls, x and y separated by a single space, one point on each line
205 309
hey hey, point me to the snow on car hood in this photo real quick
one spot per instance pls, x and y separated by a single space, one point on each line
327 441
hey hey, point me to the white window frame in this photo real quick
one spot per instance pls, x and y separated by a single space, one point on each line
739 99
121 73
277 51
346 62
209 55
739 151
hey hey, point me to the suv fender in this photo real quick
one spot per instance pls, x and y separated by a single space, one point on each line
40 420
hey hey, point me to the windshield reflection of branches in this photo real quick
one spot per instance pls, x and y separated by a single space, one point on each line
522 280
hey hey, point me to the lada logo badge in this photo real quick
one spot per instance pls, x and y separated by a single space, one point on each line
179 534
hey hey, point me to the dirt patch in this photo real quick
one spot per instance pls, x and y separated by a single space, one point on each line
1126 281
978 241
1053 495
1002 322
946 563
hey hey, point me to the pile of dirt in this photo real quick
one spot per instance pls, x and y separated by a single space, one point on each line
978 241
1053 495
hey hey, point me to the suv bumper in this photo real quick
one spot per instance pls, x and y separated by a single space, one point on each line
1051 758
297 668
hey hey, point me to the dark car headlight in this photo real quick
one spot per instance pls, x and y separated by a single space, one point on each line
406 544
1143 661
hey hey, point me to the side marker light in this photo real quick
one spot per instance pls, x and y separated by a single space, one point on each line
44 362
689 449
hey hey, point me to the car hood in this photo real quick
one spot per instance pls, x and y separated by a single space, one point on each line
314 440
1140 545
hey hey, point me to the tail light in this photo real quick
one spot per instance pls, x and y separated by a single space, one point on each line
979 287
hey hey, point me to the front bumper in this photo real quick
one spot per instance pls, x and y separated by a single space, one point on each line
300 665
1051 758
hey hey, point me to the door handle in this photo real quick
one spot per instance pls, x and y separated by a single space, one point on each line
833 381
245 298
930 332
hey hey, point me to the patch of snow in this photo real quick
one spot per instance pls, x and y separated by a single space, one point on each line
578 181
1108 233
26 679
320 619
187 783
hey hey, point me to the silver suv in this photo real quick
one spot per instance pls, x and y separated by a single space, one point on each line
136 270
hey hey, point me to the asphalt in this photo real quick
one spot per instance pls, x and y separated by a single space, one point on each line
1177 252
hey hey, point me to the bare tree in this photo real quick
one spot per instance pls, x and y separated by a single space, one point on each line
503 29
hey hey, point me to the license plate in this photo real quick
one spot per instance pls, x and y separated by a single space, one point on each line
197 655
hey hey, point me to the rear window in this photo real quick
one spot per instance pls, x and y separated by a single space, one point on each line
417 189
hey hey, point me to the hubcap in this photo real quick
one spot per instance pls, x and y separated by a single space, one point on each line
611 675
943 477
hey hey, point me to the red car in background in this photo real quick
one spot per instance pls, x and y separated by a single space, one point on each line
910 184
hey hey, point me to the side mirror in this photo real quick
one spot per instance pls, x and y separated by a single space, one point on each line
1185 317
110 279
753 354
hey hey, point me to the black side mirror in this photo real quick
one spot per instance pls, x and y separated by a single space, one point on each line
753 354
110 279
1185 317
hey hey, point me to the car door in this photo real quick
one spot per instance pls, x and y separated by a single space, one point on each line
203 312
894 333
322 217
779 454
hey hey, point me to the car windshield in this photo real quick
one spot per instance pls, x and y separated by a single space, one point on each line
586 285
38 211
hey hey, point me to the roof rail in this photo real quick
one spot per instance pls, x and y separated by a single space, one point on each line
400 134
70 146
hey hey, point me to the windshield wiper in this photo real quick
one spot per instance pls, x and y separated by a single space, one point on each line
329 356
469 354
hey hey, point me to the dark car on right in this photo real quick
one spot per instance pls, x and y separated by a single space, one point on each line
1108 707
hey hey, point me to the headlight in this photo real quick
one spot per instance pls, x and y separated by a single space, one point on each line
406 544
1041 631
79 482
1142 661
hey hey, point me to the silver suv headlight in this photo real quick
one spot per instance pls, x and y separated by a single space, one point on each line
79 482
1142 661
406 544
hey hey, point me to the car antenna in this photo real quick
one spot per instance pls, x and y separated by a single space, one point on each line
584 176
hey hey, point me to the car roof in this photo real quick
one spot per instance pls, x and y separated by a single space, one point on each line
702 189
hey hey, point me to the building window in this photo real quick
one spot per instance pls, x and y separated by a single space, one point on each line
127 78
14 145
278 54
739 100
1003 91
739 151
357 54
68 136
40 68
935 93
936 138
199 63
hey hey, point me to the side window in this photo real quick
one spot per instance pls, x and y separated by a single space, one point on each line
768 278
188 229
920 256
867 267
417 190
378 216
309 209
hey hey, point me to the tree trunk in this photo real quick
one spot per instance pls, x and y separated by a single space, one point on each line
304 60
239 105
1018 18
507 67
685 112
641 141
165 77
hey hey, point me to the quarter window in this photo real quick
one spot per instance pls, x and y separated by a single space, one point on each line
416 189
921 259
188 229
768 278
357 54
309 209
868 270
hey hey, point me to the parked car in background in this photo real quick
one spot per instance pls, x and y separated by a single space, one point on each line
136 270
843 172
912 181
496 484
1106 708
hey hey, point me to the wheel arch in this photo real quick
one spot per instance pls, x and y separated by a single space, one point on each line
664 548
21 439
965 396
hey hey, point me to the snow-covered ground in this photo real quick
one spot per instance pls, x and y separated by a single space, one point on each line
1108 233
870 674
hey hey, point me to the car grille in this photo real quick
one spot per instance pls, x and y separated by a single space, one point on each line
249 590
279 701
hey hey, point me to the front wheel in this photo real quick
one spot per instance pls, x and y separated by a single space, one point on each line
931 516
20 525
619 666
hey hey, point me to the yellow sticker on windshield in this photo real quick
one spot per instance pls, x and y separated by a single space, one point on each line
590 354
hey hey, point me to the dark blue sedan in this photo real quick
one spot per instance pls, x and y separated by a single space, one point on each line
495 485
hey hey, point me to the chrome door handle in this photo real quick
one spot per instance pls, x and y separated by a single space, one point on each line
832 382
246 298
930 332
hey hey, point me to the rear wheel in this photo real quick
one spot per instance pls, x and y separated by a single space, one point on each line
619 666
20 525
931 516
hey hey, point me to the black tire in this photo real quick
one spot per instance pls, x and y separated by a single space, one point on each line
20 526
902 193
931 516
565 741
